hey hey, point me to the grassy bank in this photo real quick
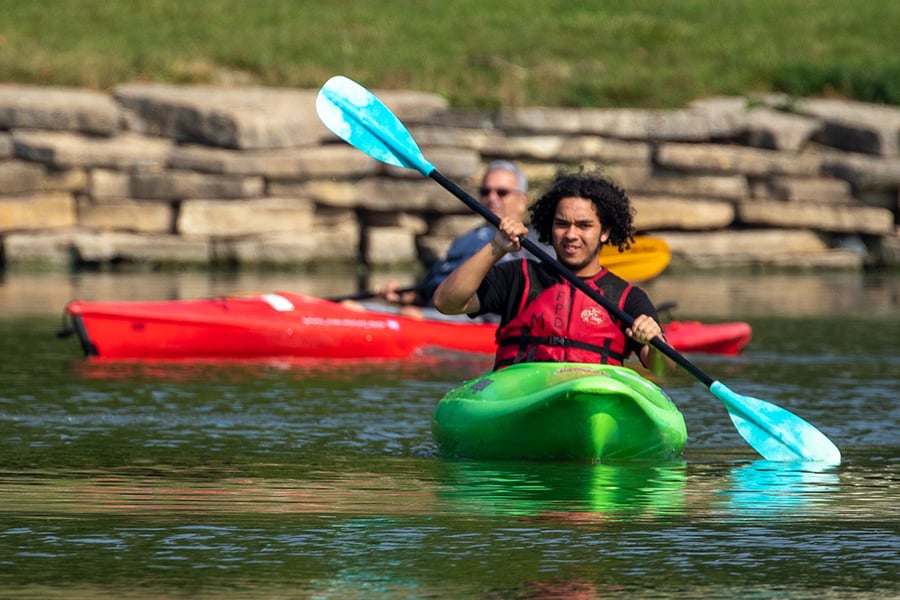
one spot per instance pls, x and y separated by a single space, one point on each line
641 53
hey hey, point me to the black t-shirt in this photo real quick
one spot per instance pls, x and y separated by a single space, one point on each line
502 289
461 250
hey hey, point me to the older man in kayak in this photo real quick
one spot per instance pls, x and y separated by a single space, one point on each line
543 316
503 190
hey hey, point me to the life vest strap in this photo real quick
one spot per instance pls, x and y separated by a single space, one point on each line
533 340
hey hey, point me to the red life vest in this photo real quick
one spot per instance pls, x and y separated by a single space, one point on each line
560 323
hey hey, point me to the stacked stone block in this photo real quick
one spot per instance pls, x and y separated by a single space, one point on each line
154 174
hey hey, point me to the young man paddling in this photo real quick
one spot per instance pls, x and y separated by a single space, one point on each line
543 316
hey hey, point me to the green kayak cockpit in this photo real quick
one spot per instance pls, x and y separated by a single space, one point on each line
559 411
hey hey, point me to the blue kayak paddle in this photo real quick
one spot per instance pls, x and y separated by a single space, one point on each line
357 116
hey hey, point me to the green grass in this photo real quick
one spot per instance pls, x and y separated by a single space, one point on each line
476 53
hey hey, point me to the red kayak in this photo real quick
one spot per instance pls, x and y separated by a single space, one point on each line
282 324
709 338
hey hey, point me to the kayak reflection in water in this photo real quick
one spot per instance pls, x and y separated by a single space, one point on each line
544 318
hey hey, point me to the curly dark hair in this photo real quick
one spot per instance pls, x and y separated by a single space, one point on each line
610 202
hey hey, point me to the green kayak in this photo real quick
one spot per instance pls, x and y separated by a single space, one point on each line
559 411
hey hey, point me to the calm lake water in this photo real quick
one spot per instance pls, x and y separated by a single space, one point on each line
277 479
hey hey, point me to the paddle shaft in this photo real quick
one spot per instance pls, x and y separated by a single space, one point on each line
370 294
574 279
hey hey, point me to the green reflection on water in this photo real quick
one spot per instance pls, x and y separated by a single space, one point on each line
590 491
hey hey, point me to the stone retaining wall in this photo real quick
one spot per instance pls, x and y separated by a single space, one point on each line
161 174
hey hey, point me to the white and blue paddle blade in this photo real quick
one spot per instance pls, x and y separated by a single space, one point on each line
358 117
777 434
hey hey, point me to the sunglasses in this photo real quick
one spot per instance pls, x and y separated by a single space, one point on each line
501 192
